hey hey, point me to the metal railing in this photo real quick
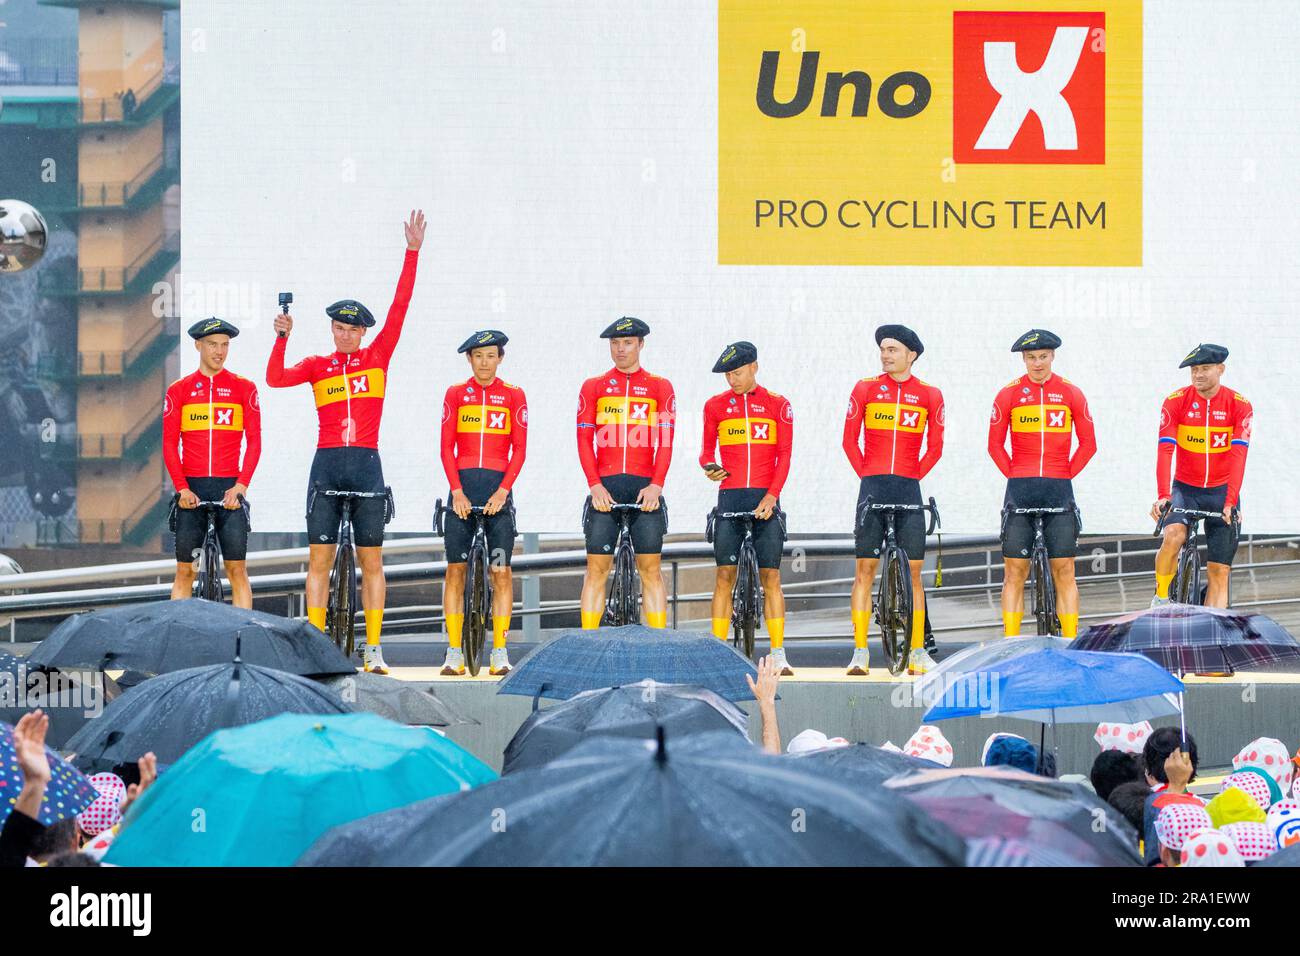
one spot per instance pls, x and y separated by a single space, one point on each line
114 195
678 556
38 61
115 362
118 444
123 105
118 278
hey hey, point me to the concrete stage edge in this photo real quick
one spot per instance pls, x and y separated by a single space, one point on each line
1223 714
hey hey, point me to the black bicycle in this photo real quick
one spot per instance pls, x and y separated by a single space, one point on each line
747 593
1046 620
478 583
894 599
1186 586
207 582
340 616
624 603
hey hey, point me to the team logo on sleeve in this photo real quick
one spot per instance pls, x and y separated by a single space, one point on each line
1164 418
446 412
853 407
1247 427
943 414
787 413
252 399
523 415
997 414
167 404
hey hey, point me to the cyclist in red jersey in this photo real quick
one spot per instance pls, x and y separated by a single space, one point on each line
1209 426
888 416
484 440
349 386
1044 414
209 416
748 434
625 444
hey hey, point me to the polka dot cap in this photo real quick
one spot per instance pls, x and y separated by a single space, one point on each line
68 793
1179 822
107 808
1130 738
929 743
1270 755
1252 784
1211 848
1254 841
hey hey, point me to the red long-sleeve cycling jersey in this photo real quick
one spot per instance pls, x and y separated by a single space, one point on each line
1212 436
754 433
206 423
349 389
625 426
484 427
1043 420
886 422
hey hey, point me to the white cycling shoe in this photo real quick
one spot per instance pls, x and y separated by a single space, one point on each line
453 665
372 660
499 662
777 654
858 666
919 661
1158 601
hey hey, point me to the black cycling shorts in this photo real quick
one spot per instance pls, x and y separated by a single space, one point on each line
728 533
647 527
192 523
869 527
346 469
480 484
1060 531
1220 538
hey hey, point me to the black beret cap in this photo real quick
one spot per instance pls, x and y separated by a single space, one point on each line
212 326
735 355
626 326
483 339
1205 354
900 333
1036 339
350 312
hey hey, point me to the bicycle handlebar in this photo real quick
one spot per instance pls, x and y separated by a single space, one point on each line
930 506
1168 510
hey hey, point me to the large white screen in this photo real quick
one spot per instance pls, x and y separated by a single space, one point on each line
566 154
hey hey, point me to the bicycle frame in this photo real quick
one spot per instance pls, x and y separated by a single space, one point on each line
340 617
747 597
1186 585
622 606
895 598
477 598
1046 621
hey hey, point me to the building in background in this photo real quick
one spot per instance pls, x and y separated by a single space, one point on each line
90 135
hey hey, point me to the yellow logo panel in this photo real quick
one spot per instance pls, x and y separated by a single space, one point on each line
472 420
761 431
1194 438
368 383
1041 418
930 132
881 415
630 410
225 417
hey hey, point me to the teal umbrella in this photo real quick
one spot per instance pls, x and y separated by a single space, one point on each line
260 795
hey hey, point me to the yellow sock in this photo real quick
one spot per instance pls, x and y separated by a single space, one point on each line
861 622
657 619
776 631
455 624
316 617
500 625
918 628
374 621
1069 624
1011 623
720 626
590 620
1162 584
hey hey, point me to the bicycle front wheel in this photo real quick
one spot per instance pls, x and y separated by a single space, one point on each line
894 611
625 602
476 610
1186 588
340 624
1045 620
747 606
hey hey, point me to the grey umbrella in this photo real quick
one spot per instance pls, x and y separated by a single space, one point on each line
371 840
860 765
706 800
631 711
68 699
400 701
171 713
164 636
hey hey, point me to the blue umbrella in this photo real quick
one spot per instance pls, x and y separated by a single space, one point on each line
261 794
67 794
614 656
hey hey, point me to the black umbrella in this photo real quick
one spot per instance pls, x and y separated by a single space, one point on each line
400 701
69 700
1290 856
705 800
167 636
371 840
1191 639
632 711
861 764
171 713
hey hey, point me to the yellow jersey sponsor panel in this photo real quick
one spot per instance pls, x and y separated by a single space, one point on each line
367 383
911 418
755 431
225 417
626 410
484 419
1197 438
1041 418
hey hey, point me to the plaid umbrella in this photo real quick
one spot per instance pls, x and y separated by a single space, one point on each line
614 656
1188 638
1000 851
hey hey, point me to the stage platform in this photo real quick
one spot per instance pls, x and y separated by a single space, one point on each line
1223 713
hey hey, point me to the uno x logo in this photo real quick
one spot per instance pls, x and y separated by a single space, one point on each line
910 419
760 431
639 410
1029 87
1219 440
360 385
496 419
1056 419
225 416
